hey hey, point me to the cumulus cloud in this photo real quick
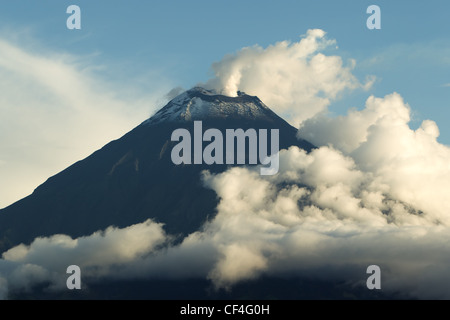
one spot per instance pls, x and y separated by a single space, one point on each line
412 165
295 79
374 192
45 260
99 249
56 109
324 216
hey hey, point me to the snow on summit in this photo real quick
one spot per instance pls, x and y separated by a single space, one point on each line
199 104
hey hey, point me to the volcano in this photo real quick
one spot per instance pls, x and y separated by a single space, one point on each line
133 178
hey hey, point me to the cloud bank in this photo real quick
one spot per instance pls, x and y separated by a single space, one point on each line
321 217
45 260
412 164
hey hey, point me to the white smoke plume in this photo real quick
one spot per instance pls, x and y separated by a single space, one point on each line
295 79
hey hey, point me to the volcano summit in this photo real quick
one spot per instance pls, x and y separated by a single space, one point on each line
133 178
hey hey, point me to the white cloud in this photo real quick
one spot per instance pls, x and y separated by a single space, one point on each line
98 255
412 164
342 226
295 79
322 216
55 110
375 192
348 132
99 249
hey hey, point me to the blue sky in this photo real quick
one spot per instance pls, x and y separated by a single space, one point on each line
141 49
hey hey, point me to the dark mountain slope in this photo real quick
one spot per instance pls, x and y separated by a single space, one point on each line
133 178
